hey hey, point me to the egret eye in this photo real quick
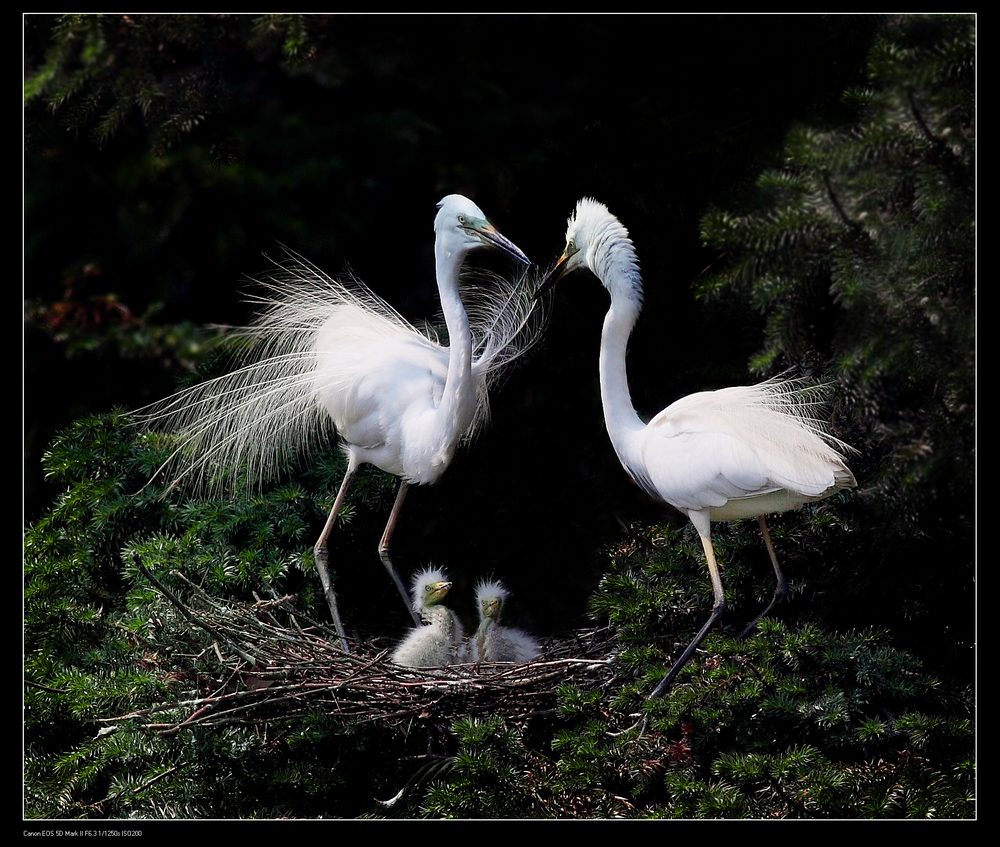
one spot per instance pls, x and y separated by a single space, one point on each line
571 246
461 220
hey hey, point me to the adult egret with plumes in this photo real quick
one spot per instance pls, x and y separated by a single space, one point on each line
716 455
328 356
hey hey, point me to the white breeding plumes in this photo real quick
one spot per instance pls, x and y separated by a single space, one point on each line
326 356
715 455
493 642
440 642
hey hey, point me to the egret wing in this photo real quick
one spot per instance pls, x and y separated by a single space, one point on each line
715 446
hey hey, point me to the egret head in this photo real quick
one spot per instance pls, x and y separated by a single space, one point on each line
490 597
430 586
597 240
462 226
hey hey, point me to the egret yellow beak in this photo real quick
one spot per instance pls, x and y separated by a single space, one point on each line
554 275
491 608
437 592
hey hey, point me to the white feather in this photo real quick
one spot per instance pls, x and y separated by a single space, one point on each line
328 356
756 441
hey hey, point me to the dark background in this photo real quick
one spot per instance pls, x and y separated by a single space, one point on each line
342 156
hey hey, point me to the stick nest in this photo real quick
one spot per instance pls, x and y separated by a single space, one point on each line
267 661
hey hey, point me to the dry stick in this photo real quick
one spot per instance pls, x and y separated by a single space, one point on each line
156 779
248 618
403 713
202 715
207 716
255 622
190 719
184 611
197 589
32 684
196 702
224 685
270 615
372 663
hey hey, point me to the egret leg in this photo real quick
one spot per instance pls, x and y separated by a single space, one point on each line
702 524
780 590
321 553
384 549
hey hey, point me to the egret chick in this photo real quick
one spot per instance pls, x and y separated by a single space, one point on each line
493 642
716 455
440 641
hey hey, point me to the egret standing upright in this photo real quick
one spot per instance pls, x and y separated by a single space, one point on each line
716 455
324 352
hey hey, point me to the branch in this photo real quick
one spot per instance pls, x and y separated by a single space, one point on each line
33 684
852 225
184 611
949 162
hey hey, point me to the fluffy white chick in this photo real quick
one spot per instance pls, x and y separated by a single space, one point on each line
493 642
441 640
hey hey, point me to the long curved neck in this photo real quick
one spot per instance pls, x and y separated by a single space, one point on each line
458 383
619 413
612 259
485 625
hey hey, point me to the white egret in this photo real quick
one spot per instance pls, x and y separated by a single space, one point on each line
493 642
716 455
324 353
440 642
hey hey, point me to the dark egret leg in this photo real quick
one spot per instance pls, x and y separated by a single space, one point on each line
780 590
703 525
384 548
321 552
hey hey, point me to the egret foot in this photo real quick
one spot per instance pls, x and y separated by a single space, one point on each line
717 612
322 557
780 593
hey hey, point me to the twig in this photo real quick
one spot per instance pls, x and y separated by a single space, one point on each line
852 225
183 609
33 684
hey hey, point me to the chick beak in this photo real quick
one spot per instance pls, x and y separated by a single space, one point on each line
439 590
553 277
491 235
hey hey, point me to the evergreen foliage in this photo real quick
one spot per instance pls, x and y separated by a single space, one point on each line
858 250
100 642
172 72
796 721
